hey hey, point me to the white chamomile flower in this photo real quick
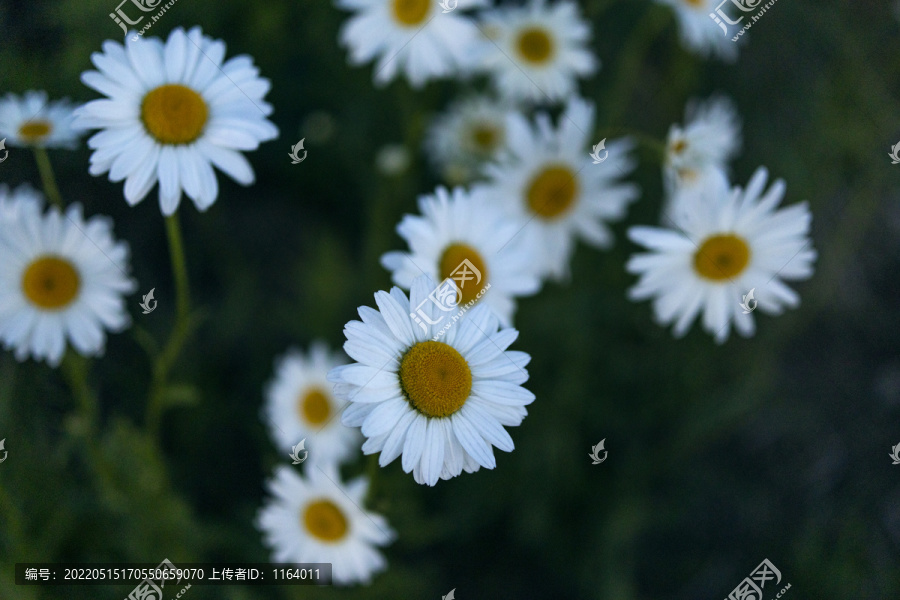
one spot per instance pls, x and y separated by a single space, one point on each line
300 404
319 519
699 33
733 242
61 278
550 182
14 203
454 229
469 134
536 52
33 121
174 110
413 37
441 404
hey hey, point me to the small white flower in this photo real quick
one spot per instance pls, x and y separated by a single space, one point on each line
392 159
469 134
319 519
536 52
412 37
32 121
442 404
300 404
700 34
732 243
61 278
550 182
174 110
457 228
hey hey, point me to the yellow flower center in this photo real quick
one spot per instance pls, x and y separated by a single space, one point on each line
411 12
485 138
174 114
34 131
314 406
535 45
324 520
722 257
51 282
679 146
450 263
435 378
552 192
694 3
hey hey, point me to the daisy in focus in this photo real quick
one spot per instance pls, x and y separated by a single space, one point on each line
173 111
699 33
469 134
319 519
455 228
14 203
735 241
536 53
698 153
411 37
549 181
63 279
301 404
31 120
441 405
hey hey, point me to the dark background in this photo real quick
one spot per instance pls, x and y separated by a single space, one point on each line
719 456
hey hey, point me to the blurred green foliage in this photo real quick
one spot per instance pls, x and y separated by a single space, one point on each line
719 456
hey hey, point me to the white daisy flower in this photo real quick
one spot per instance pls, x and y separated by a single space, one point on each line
550 181
470 133
536 52
31 120
412 37
318 519
442 404
62 278
700 34
732 244
13 203
457 228
300 404
174 111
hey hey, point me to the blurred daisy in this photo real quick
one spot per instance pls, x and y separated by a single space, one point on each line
62 278
469 134
400 33
392 160
442 404
456 228
699 33
734 242
550 181
174 111
13 203
536 52
31 121
318 519
300 404
697 154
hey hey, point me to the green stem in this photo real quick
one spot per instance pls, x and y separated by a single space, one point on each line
632 56
180 331
371 472
47 178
